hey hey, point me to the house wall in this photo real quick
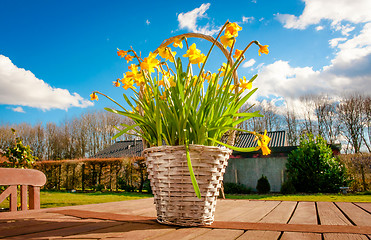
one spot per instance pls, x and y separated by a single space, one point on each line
247 171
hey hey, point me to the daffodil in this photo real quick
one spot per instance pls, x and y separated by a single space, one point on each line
93 97
237 53
150 62
135 75
121 53
172 82
244 84
167 54
263 49
263 141
227 40
116 83
192 53
232 29
178 43
127 82
222 69
128 58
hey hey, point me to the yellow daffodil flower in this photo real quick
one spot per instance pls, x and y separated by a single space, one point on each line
129 58
178 43
150 62
93 97
171 81
161 83
135 75
237 53
232 29
116 83
222 69
121 53
195 56
227 40
263 49
127 83
244 84
167 54
263 141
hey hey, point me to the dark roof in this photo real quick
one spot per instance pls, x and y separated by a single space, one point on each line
246 140
130 148
127 148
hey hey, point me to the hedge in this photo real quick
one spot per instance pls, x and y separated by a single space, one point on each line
94 174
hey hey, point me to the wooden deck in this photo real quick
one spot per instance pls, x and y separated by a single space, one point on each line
234 219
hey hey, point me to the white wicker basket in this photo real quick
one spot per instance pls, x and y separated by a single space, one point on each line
174 196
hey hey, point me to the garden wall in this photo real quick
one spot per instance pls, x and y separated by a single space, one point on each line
247 171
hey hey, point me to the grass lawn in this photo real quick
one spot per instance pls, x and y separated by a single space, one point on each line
61 199
319 197
51 199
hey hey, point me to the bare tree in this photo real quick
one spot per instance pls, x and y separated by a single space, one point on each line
352 120
325 110
292 128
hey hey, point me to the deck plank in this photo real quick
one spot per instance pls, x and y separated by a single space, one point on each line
73 230
222 234
355 213
329 214
364 205
305 213
281 213
35 228
183 234
126 230
343 236
256 234
301 236
256 212
227 210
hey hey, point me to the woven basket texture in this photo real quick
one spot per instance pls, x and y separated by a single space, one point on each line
174 195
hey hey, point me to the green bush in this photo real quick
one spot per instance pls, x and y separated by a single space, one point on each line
313 168
288 188
236 188
263 185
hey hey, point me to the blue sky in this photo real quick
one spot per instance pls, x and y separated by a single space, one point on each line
53 54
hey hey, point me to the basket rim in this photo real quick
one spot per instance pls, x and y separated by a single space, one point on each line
182 147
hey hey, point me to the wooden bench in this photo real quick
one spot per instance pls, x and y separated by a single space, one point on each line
29 180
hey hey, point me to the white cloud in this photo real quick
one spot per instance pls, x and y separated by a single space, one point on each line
22 87
334 42
189 19
249 63
148 22
319 28
349 71
18 109
247 19
333 10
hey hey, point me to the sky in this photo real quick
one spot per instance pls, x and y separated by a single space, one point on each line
53 54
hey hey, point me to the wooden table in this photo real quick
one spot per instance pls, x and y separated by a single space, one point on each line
234 219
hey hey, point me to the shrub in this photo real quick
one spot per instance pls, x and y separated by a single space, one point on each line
313 168
288 188
263 185
236 188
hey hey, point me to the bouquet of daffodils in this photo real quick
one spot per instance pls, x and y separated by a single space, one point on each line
172 105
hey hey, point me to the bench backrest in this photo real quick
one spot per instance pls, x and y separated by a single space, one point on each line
17 176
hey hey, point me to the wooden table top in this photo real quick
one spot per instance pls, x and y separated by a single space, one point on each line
234 219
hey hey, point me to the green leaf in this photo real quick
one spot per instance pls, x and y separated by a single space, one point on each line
193 178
